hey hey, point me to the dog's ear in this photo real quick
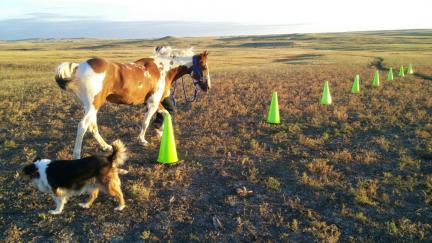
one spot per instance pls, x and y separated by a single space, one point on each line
36 159
31 171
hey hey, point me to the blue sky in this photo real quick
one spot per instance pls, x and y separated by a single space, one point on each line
21 19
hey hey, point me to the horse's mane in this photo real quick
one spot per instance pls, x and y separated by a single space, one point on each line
167 51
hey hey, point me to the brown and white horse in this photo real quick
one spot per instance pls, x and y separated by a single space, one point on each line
146 81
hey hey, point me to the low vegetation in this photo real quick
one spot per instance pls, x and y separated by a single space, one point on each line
358 170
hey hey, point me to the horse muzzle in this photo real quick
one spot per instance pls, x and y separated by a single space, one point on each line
203 83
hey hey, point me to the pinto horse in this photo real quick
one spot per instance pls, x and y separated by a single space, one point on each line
145 81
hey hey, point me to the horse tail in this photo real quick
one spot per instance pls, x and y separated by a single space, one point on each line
118 156
64 74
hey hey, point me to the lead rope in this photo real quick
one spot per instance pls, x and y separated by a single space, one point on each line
194 98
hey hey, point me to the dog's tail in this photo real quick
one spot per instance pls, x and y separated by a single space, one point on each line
118 156
64 74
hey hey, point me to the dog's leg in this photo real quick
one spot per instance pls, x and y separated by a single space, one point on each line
115 191
60 202
120 198
93 195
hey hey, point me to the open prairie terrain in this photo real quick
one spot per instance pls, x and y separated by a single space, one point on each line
358 170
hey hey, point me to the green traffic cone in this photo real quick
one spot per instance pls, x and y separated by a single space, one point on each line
326 97
401 71
390 75
167 149
410 69
376 80
356 85
273 113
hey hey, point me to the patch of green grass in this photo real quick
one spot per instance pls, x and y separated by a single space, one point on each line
9 144
273 183
140 192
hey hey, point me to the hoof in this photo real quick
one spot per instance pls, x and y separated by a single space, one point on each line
107 148
84 205
159 133
143 142
122 171
119 208
54 212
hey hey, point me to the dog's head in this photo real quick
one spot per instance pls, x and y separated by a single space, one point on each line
30 171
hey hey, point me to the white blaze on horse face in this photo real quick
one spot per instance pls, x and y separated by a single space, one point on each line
208 77
89 84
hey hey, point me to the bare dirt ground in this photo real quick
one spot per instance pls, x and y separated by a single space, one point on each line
358 170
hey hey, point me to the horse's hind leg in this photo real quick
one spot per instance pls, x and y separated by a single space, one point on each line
89 121
93 127
82 128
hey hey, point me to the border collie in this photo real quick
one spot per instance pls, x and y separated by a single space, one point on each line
66 178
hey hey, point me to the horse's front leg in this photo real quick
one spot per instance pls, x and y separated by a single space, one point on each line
167 105
152 105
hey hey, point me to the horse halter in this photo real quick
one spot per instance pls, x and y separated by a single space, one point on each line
194 69
197 70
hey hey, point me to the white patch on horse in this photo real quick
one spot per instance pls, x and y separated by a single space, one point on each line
147 74
167 58
172 52
208 77
89 84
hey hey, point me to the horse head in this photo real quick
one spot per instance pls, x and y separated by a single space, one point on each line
200 71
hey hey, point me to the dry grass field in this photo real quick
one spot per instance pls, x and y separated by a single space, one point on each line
359 170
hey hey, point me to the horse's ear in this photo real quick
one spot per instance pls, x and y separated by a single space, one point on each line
159 48
205 53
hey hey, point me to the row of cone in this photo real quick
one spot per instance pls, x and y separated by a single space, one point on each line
326 99
168 151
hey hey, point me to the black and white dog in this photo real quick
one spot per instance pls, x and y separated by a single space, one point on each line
66 178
